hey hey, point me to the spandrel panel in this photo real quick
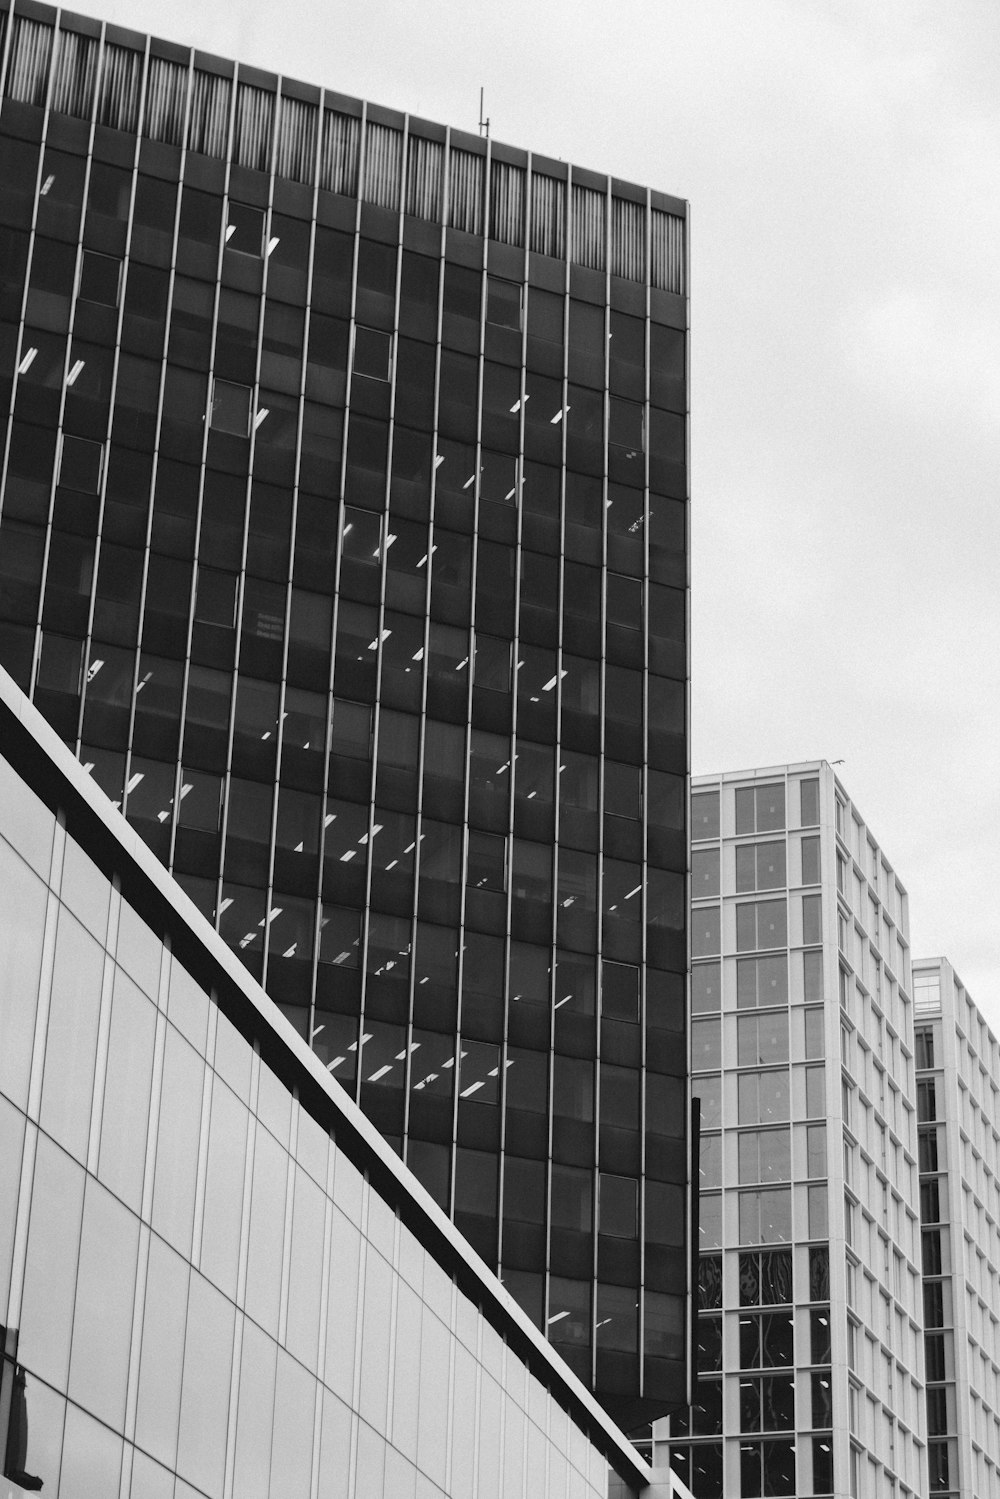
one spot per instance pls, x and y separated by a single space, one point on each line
432 1433
227 1140
208 1357
139 950
126 1091
292 1449
84 889
267 1231
92 1457
370 1475
488 1428
162 1353
513 1452
407 1373
255 1414
187 1006
335 1443
375 1336
51 1268
12 1134
150 1480
102 1326
305 1270
22 926
177 1142
28 824
71 1038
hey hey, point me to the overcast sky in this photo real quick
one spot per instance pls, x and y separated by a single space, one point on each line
842 159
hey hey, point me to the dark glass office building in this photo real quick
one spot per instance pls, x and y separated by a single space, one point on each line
343 537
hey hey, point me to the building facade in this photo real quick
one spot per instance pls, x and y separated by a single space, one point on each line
215 1276
343 537
958 1108
810 1324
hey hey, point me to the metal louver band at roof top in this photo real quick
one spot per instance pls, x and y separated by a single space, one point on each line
276 130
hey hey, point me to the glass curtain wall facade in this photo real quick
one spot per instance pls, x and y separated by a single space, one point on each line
215 1277
809 1344
958 1110
343 536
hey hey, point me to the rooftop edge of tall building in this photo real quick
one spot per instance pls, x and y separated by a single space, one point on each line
308 91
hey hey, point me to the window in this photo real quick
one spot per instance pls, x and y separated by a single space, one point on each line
705 932
766 1278
760 809
503 302
705 814
706 988
810 861
619 991
231 408
762 1039
809 803
812 918
930 1201
625 427
245 229
767 1468
80 464
618 1206
487 861
762 1097
927 1146
766 1339
767 1404
926 1099
765 1155
760 866
760 924
372 353
815 1150
100 278
924 1047
761 981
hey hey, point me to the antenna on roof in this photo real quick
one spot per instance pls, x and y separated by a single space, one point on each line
484 125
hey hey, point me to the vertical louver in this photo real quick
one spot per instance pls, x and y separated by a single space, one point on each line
507 185
383 165
667 251
121 88
254 127
181 102
297 140
588 238
166 100
30 55
424 174
548 215
465 191
208 128
628 239
75 74
338 168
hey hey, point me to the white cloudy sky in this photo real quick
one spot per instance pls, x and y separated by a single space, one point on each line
842 158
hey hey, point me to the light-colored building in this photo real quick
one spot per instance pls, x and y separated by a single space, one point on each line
810 1328
958 1109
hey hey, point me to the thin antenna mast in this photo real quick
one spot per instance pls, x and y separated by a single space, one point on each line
484 125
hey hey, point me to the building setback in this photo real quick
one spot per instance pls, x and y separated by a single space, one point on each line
958 1108
343 537
810 1328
